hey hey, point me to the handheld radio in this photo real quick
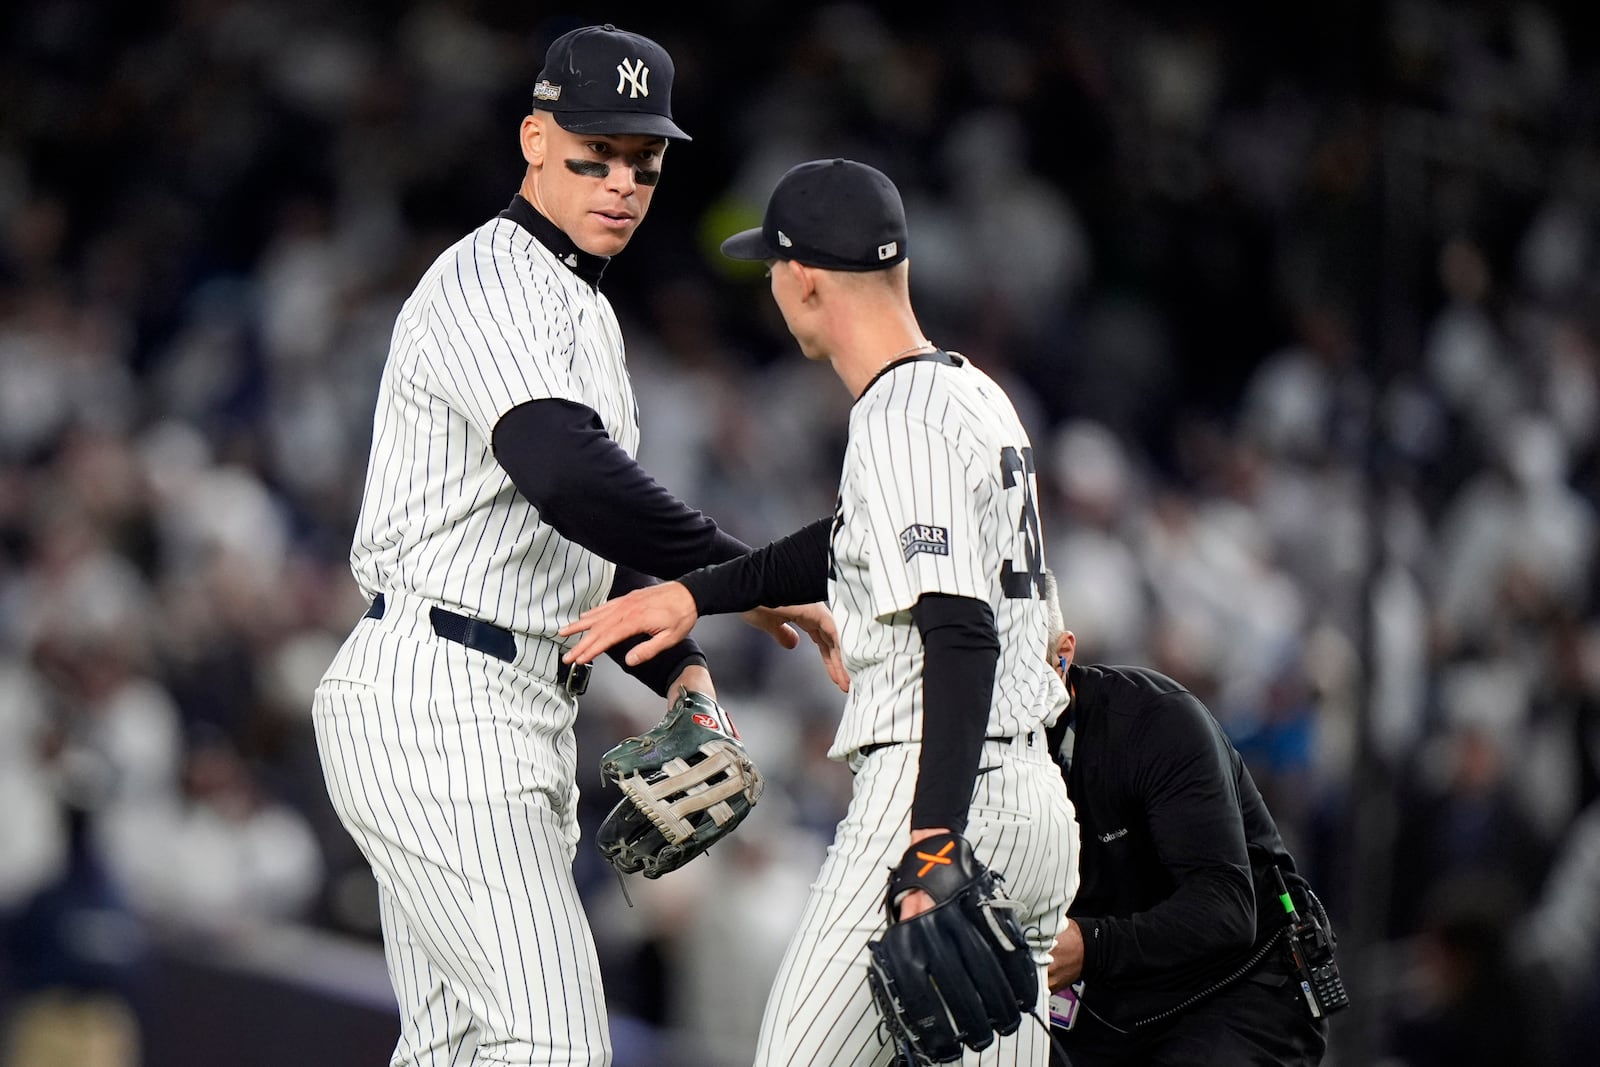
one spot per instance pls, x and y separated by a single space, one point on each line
1311 955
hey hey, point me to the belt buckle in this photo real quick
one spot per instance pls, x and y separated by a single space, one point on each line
577 682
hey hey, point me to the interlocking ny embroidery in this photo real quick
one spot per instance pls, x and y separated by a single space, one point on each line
637 75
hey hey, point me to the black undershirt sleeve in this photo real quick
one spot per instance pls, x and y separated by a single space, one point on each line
662 669
790 570
558 455
961 648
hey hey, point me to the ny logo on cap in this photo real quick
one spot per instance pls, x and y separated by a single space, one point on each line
637 75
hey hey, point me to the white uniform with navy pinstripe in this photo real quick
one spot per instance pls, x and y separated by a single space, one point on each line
937 496
453 769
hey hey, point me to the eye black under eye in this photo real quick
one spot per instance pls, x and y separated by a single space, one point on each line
588 168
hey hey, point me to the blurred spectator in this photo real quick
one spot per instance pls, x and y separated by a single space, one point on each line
1460 820
32 835
74 945
1516 539
1470 1004
223 856
1559 939
1090 522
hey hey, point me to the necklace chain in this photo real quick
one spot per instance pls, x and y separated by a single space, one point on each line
924 343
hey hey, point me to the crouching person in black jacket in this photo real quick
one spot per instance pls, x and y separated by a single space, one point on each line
1178 934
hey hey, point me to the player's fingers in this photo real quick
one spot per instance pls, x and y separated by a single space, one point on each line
830 629
592 644
595 618
774 624
826 637
835 664
606 625
646 650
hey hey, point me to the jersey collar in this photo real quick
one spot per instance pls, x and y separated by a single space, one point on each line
581 263
949 359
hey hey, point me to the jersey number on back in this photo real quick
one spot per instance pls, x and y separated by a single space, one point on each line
1020 583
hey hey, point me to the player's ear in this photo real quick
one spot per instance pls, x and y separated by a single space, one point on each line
805 279
1066 647
533 139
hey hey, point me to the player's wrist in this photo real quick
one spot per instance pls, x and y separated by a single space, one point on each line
693 675
700 585
661 671
684 601
726 588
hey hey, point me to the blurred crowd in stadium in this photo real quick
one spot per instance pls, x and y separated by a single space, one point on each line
1303 308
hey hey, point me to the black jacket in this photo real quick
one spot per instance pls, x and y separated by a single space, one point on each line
1175 878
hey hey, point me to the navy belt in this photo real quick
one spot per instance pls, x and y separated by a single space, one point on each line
491 640
877 746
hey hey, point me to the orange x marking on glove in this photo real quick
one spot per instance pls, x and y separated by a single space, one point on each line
942 856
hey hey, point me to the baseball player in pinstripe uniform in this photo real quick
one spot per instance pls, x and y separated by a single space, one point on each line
502 500
932 565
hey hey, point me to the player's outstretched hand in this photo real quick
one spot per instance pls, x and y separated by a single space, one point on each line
667 612
817 622
773 622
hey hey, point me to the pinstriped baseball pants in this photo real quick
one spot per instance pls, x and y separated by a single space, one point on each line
454 773
820 1011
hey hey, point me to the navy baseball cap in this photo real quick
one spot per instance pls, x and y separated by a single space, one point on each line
831 213
599 79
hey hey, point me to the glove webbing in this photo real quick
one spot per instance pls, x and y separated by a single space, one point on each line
668 815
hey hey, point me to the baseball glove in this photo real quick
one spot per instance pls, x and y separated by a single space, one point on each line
688 782
959 973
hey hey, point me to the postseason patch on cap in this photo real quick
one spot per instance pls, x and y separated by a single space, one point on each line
918 537
546 91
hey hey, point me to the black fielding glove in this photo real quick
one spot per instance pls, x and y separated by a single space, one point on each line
958 974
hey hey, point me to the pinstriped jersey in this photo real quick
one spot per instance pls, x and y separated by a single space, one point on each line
497 320
938 495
